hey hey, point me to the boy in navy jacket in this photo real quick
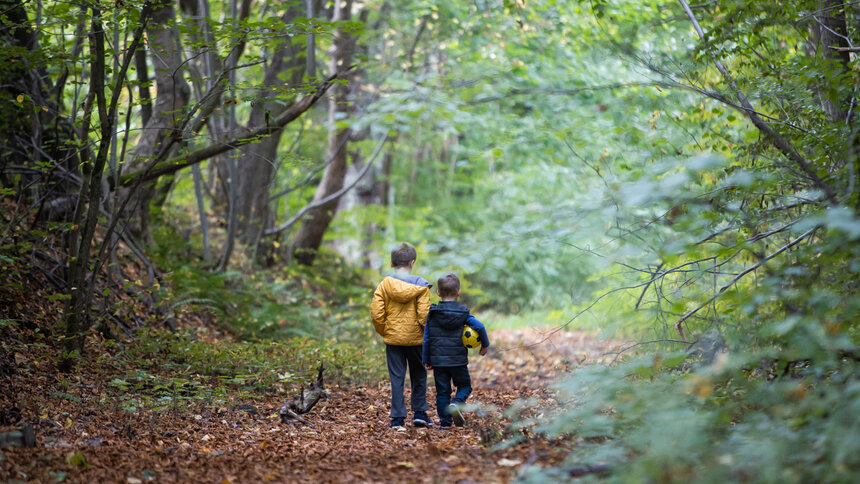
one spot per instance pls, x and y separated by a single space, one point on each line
444 353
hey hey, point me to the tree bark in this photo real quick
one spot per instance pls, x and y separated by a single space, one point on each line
260 159
831 31
19 87
172 96
80 281
310 235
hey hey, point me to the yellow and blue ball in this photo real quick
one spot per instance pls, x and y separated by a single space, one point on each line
470 337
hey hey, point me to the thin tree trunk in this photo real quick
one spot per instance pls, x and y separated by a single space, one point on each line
172 96
231 215
831 32
142 68
387 164
310 235
311 55
260 159
76 318
201 209
21 129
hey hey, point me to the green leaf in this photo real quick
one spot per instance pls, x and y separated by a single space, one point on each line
77 459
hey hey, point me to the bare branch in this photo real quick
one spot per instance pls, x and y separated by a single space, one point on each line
630 347
334 196
574 91
739 277
252 135
312 174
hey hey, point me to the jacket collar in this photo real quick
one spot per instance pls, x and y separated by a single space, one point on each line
452 306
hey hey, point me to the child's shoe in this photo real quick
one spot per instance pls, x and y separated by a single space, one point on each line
396 424
422 420
445 426
456 415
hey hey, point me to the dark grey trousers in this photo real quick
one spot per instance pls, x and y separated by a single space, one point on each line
398 358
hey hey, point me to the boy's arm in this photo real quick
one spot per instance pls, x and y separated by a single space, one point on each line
425 347
482 331
422 305
377 310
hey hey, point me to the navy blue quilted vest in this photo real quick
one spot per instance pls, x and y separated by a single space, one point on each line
445 323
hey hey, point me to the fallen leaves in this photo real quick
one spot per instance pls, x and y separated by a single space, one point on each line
351 441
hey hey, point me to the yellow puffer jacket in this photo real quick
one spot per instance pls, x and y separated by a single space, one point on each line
399 310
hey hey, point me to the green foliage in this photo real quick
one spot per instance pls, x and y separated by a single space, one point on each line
583 163
328 301
589 157
720 423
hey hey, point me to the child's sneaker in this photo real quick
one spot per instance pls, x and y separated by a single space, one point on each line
445 426
456 415
396 424
422 420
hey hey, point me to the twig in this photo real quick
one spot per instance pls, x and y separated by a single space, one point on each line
739 277
312 174
334 196
662 340
647 285
580 471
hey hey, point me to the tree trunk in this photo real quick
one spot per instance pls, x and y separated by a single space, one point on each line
310 235
76 317
28 136
260 159
143 85
172 95
368 191
19 88
831 32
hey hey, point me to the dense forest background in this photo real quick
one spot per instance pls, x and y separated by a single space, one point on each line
681 177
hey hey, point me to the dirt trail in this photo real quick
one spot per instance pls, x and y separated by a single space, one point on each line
350 440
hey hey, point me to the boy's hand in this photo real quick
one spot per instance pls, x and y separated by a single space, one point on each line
483 351
427 366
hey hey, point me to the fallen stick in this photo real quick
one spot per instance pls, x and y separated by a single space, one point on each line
308 398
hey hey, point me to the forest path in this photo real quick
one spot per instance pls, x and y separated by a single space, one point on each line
349 442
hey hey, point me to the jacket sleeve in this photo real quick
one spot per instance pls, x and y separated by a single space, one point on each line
425 347
377 310
482 331
422 305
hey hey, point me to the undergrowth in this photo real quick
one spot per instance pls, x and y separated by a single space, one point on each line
328 301
161 370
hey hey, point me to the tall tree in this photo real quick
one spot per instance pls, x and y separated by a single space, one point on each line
259 160
80 275
172 97
310 235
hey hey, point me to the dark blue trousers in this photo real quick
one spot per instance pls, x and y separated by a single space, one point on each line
444 377
398 358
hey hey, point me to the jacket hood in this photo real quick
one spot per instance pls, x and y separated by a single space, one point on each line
449 314
402 291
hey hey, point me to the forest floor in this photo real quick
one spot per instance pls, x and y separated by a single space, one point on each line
79 440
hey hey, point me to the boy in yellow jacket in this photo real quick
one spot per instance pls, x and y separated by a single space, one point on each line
398 309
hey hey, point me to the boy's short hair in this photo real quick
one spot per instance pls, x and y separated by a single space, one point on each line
403 255
448 285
